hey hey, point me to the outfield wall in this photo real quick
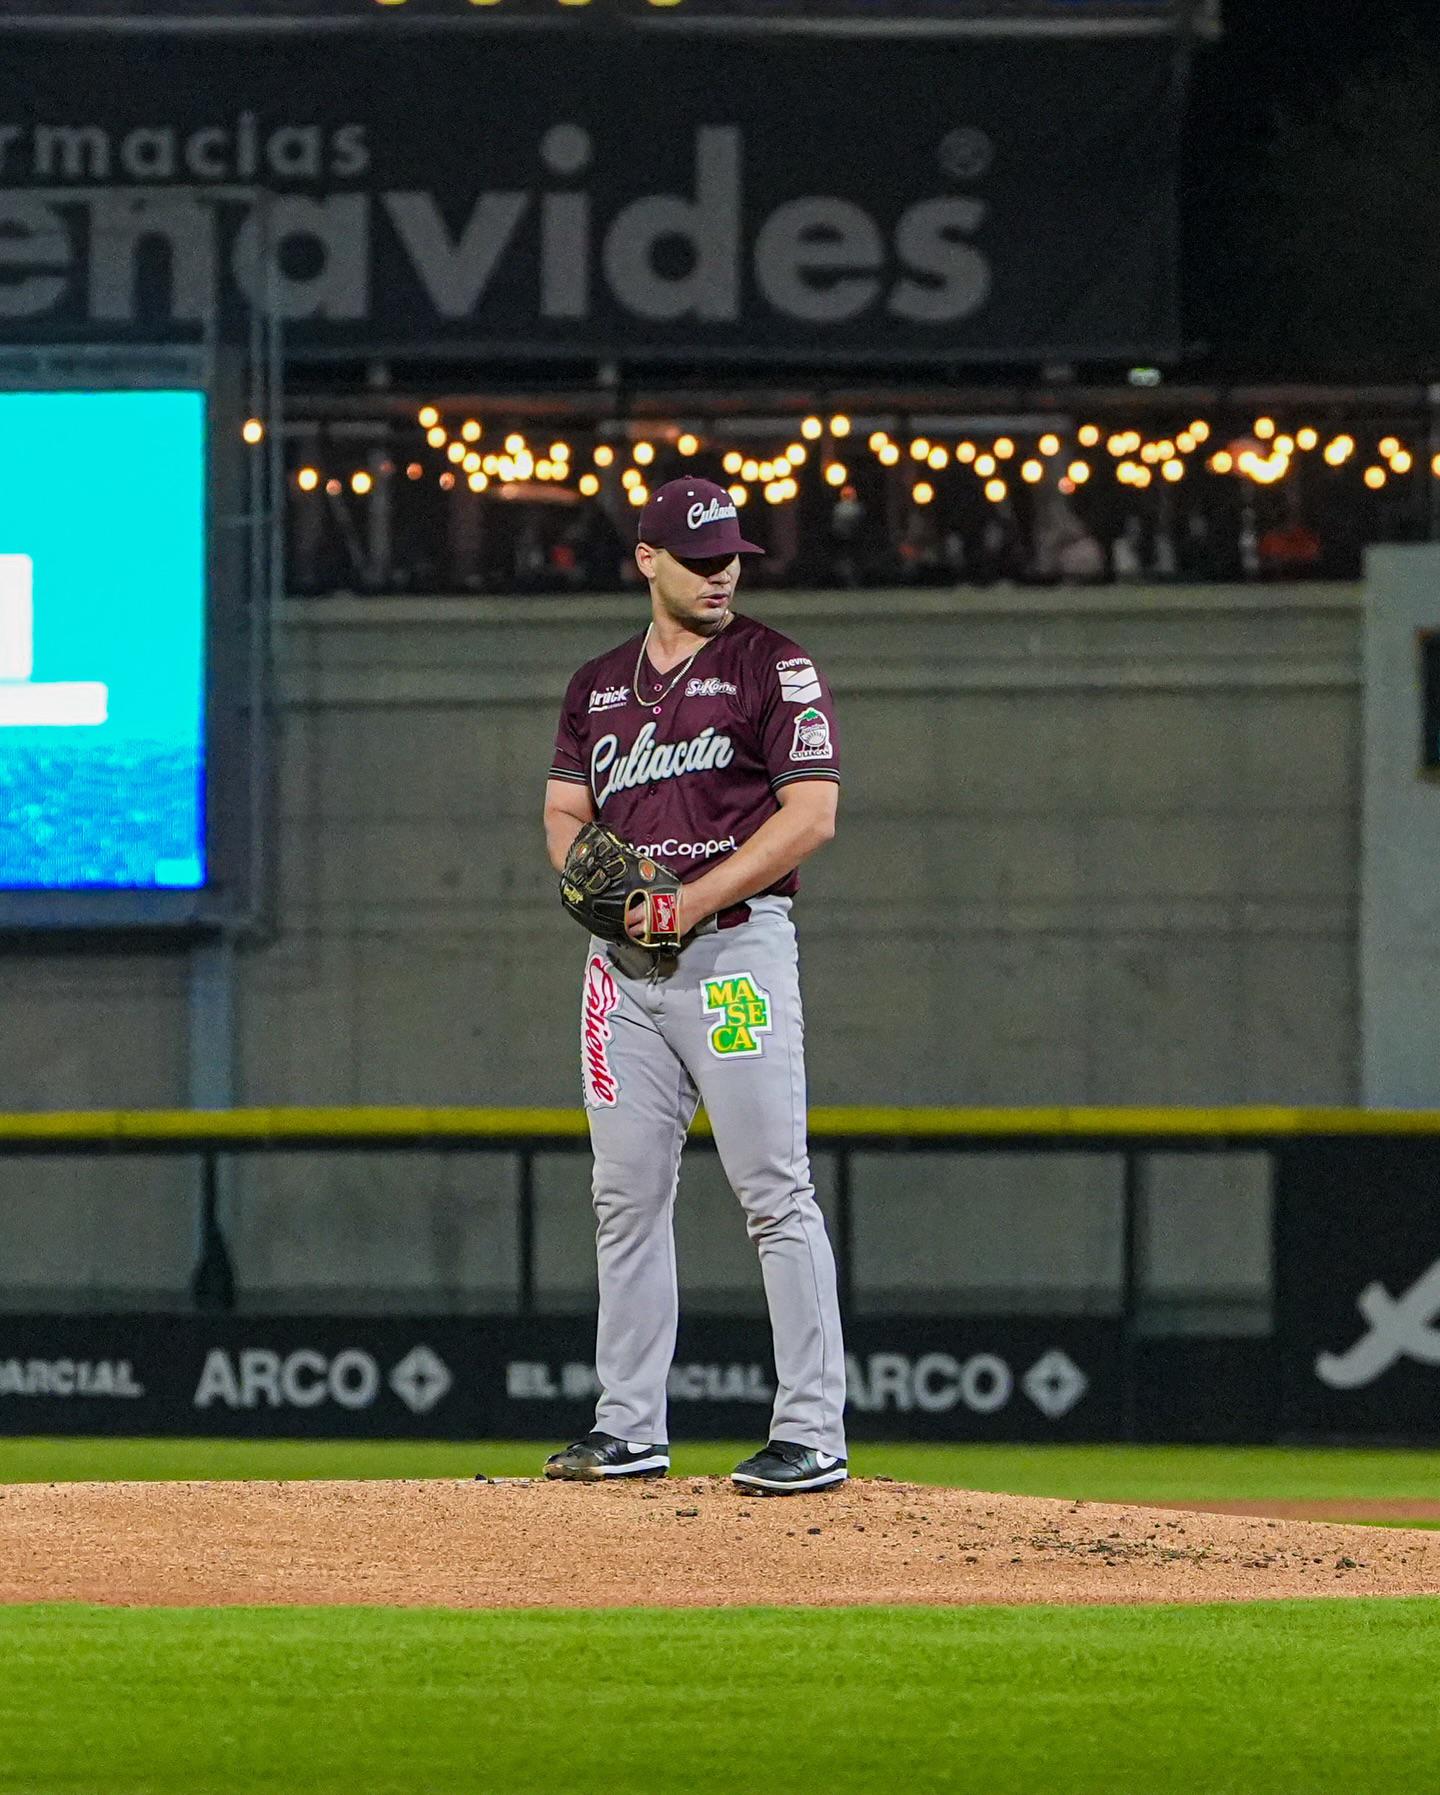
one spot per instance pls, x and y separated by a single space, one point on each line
1094 847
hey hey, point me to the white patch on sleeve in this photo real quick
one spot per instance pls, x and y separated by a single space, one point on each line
812 736
799 685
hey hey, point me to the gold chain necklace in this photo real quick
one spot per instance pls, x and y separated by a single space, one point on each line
656 703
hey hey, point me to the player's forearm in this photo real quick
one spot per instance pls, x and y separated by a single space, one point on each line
777 847
561 828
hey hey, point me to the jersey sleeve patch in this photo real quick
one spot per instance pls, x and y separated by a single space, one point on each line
811 740
798 684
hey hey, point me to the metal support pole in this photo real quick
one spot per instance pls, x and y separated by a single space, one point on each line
525 1230
844 1232
212 1086
1131 1274
213 1285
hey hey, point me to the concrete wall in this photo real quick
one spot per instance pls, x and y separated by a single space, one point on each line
1400 934
1094 848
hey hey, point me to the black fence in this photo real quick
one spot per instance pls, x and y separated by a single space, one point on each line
1352 1352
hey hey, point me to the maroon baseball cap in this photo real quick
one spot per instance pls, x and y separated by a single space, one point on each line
694 518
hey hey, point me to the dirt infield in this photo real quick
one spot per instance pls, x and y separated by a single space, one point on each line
683 1542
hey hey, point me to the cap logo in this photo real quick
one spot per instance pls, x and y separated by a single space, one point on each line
709 514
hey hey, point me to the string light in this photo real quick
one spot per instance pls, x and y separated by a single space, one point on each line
490 464
922 492
1200 430
965 452
749 470
688 444
643 454
477 482
835 474
360 482
631 478
811 428
1435 466
1307 438
456 451
415 471
604 455
1004 448
1117 444
1173 470
514 443
889 455
561 451
1221 462
878 440
740 494
1031 471
447 481
797 454
253 431
638 496
1375 478
334 488
1049 444
995 490
589 485
1401 461
545 468
1150 453
435 436
1284 446
471 430
920 448
429 417
1264 428
1185 443
840 424
768 471
938 458
1339 450
1078 472
733 462
1389 445
1089 435
307 479
984 465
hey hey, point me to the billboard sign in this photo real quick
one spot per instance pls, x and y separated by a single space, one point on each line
102 640
893 201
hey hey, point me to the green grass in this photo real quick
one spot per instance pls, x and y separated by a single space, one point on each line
1099 1473
1304 1697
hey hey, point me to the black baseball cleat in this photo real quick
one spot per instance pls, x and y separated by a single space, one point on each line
781 1468
601 1455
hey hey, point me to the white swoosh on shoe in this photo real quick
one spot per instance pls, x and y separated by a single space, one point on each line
826 1461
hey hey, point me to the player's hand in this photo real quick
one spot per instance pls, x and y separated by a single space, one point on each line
635 925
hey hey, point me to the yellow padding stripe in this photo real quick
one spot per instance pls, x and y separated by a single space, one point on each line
170 1126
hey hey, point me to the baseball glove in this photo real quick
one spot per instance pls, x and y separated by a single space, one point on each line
605 884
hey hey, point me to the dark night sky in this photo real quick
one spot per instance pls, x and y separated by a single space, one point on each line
1275 54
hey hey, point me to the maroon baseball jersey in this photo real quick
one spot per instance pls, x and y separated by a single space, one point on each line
687 771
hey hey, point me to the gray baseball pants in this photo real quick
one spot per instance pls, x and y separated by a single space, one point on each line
724 1028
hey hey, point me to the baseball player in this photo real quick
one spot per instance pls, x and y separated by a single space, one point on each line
709 742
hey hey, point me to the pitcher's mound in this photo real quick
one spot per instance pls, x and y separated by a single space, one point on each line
680 1542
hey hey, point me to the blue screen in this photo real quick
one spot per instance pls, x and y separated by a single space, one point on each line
102 640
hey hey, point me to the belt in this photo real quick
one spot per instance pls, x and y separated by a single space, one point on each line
733 917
